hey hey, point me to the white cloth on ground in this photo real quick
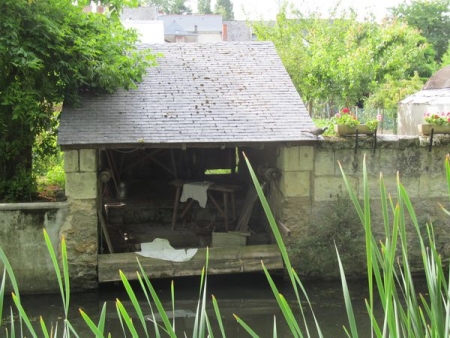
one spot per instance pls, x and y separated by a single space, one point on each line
161 249
197 191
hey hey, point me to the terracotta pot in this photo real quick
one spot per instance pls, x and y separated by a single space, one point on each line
425 129
346 130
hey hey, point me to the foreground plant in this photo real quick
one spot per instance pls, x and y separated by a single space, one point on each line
389 274
389 279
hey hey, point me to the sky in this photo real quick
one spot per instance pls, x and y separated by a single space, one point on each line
267 9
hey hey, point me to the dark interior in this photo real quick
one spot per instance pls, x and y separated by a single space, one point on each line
138 195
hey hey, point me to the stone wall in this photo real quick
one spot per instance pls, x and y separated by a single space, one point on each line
22 241
80 228
313 202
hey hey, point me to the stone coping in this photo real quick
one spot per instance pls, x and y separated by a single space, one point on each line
383 141
33 206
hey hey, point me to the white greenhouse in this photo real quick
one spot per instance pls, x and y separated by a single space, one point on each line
433 98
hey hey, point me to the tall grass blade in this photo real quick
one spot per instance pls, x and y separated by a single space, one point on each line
134 301
152 313
172 294
98 331
277 235
59 278
122 325
70 328
218 315
347 298
23 315
156 300
2 294
126 319
198 311
364 215
285 310
299 283
246 327
12 325
102 319
274 335
65 265
13 280
44 327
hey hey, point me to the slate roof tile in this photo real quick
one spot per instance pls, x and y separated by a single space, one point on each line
198 93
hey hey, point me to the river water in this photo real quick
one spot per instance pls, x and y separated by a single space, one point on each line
246 295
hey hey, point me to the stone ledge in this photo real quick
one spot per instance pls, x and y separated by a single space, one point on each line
33 206
367 142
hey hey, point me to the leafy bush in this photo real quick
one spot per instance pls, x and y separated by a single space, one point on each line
21 188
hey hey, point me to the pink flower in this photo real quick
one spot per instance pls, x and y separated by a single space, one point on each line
338 115
345 110
426 114
379 117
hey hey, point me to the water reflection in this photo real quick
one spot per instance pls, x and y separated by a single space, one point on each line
246 295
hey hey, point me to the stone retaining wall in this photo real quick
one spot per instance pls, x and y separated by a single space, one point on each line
313 202
22 241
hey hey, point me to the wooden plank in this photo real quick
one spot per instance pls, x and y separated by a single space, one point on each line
105 230
283 228
221 261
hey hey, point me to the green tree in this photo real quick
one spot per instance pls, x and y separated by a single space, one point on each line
341 61
225 8
431 18
204 6
171 6
49 52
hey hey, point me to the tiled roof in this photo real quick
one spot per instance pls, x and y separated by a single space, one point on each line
175 29
192 23
235 92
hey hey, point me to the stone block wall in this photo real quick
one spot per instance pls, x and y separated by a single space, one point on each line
80 228
313 200
22 241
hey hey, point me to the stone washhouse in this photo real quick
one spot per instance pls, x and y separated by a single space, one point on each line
190 120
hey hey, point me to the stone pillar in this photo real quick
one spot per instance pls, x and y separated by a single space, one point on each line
296 185
80 229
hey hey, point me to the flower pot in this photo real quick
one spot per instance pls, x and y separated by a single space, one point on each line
425 129
346 130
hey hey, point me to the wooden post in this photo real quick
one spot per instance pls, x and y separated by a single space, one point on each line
175 207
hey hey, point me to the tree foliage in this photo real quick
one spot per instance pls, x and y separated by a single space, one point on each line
431 18
343 62
204 6
171 6
49 52
225 8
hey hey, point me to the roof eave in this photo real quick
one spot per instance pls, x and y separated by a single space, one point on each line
218 145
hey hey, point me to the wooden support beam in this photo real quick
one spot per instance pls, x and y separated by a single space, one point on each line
143 158
283 228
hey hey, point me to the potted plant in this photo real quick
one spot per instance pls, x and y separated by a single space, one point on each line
346 123
440 123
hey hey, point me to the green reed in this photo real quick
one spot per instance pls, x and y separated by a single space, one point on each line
390 281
